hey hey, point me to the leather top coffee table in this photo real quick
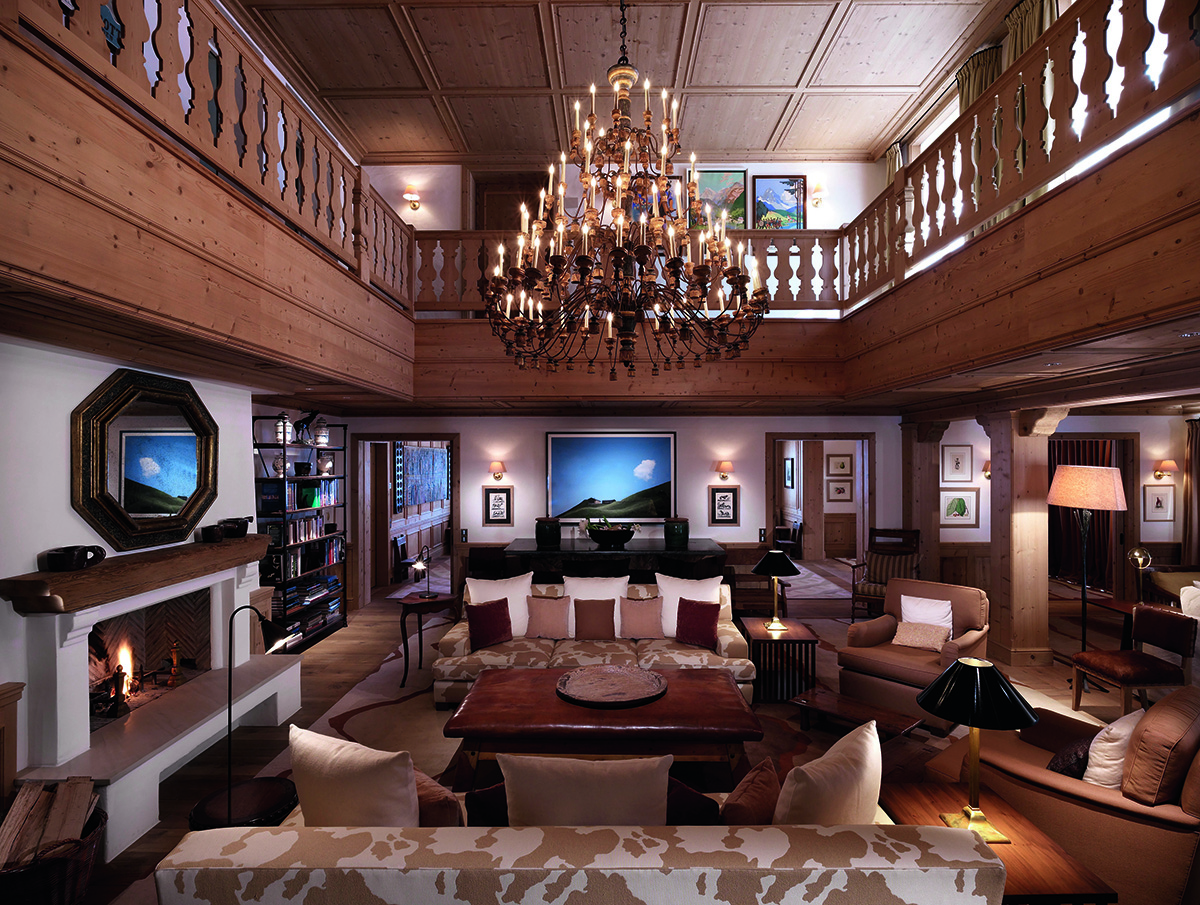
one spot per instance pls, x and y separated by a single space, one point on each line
702 717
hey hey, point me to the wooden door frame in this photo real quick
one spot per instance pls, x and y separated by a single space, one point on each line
360 571
867 499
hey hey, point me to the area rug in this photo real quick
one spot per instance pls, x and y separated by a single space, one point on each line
808 585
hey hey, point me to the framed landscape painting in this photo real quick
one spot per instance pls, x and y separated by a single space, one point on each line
779 202
722 190
623 477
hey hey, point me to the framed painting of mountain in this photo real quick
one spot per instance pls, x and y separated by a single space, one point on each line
614 475
721 190
779 202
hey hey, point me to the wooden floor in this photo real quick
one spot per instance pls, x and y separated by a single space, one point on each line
329 670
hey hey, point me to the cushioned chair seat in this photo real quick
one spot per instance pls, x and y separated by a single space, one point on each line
873 588
530 653
666 653
1130 666
909 665
570 653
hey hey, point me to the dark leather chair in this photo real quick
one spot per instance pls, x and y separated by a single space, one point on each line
1129 669
891 553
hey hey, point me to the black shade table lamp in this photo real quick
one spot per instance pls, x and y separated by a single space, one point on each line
422 565
775 564
259 799
974 693
1084 488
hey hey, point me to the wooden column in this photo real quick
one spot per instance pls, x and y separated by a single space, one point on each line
922 463
813 533
1020 592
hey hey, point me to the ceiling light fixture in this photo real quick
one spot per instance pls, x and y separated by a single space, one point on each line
624 266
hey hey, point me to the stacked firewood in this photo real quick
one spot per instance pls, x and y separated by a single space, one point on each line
43 818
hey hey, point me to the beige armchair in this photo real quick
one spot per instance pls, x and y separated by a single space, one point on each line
873 668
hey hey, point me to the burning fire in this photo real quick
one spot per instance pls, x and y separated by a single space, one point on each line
125 660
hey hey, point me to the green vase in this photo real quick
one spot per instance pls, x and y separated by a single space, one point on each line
548 533
675 533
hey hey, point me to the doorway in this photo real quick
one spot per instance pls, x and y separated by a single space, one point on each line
499 196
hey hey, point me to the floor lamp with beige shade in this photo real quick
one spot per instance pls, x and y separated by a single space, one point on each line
1085 488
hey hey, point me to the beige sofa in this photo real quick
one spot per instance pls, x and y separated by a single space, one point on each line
458 666
901 865
872 668
1150 854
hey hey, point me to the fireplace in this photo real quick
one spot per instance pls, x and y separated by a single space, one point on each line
155 650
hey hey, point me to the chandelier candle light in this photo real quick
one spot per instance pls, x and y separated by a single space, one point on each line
587 285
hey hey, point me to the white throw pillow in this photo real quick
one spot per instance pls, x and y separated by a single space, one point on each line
705 590
564 791
342 783
924 609
1189 601
840 787
515 589
596 589
1106 753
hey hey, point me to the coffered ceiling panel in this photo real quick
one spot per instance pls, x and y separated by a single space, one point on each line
483 46
831 121
589 41
724 122
763 45
345 48
505 123
895 45
388 124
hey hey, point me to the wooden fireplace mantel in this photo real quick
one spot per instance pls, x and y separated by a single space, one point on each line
119 577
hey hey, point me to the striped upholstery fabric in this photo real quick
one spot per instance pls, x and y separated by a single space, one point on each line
881 567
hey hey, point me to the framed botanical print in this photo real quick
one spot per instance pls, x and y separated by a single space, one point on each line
839 491
779 202
497 506
723 504
839 466
789 473
959 508
721 190
1158 502
957 467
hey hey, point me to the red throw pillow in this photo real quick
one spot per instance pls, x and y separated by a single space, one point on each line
697 623
488 623
594 620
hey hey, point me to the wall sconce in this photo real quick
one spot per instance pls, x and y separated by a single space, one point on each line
1165 468
817 195
724 469
497 469
413 197
987 469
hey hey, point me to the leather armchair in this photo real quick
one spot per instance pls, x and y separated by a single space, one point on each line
873 668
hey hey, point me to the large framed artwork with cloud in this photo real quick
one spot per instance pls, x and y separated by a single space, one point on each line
620 476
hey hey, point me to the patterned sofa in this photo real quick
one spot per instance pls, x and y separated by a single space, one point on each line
899 865
457 668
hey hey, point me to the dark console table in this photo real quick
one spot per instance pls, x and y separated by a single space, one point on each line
644 555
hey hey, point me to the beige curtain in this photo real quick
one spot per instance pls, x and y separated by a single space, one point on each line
1191 494
1026 22
981 69
895 159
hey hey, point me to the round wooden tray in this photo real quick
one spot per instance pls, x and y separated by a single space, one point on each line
611 686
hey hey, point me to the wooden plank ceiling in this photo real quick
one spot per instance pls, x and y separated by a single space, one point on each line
483 83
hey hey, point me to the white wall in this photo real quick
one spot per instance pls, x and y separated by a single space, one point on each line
440 188
972 434
700 442
42 386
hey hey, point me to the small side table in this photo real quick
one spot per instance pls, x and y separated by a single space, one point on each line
415 604
785 663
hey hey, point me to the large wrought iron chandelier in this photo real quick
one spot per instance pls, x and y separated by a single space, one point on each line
623 276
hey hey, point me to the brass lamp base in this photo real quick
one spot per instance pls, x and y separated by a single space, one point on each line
973 819
775 625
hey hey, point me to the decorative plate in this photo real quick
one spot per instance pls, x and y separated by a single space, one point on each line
611 686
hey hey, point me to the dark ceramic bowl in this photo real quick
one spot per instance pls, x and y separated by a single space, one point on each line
212 534
234 527
611 538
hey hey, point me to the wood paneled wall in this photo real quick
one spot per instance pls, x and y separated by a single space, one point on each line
967 564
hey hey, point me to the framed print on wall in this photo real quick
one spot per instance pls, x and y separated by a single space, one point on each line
497 506
957 466
1158 502
839 466
779 202
789 473
839 491
722 190
620 476
959 508
723 505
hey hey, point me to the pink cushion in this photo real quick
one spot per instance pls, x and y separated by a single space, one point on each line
641 618
697 623
548 617
488 623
